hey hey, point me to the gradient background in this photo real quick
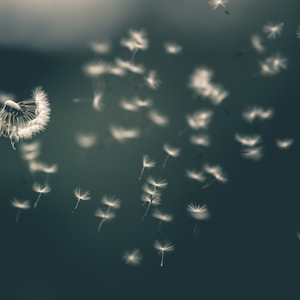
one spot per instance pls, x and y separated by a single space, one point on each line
247 250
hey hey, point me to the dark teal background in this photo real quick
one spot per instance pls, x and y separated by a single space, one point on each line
247 250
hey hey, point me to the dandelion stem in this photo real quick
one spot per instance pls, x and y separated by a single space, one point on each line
141 174
146 212
37 201
100 225
18 215
165 161
162 259
77 203
209 183
134 53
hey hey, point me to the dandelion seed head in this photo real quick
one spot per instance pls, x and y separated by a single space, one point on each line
163 246
158 183
216 3
122 134
153 199
273 64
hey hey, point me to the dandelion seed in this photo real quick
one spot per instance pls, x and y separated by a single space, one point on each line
102 47
284 143
256 43
41 189
157 183
111 202
130 66
163 247
218 3
21 205
217 174
248 140
128 105
133 257
96 68
143 102
158 118
104 215
273 30
30 151
152 81
81 195
137 41
152 197
250 114
272 65
172 48
86 140
195 175
122 134
97 103
147 163
253 153
200 139
198 212
24 119
199 119
171 152
161 217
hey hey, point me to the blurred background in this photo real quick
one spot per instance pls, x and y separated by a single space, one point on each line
248 247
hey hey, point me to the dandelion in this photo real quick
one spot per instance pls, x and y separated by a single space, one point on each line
152 81
171 152
273 30
216 3
157 183
253 153
21 205
41 189
24 119
172 48
133 257
284 143
161 217
162 248
81 195
147 163
104 215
